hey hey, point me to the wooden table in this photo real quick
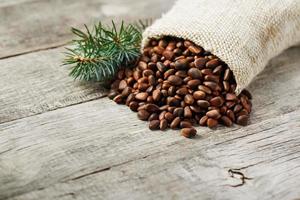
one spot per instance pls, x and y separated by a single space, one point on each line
62 139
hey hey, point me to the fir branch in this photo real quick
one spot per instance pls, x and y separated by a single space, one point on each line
98 54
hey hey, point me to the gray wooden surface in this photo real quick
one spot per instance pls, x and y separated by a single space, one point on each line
61 139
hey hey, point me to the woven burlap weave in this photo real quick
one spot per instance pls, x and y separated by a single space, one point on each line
245 34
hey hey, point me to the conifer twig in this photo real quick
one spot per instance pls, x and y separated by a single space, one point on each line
98 54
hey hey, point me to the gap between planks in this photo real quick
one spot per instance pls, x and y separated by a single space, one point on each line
33 51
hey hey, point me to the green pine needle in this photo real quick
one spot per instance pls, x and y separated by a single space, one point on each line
98 54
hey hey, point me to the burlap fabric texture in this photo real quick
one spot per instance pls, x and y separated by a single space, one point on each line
245 34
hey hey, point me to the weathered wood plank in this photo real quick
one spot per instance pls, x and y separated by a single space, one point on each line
35 83
31 25
101 150
266 154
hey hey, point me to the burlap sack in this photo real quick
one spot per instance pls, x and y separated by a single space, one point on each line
245 34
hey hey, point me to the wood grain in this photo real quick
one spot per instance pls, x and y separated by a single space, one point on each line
99 150
34 83
30 25
191 169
